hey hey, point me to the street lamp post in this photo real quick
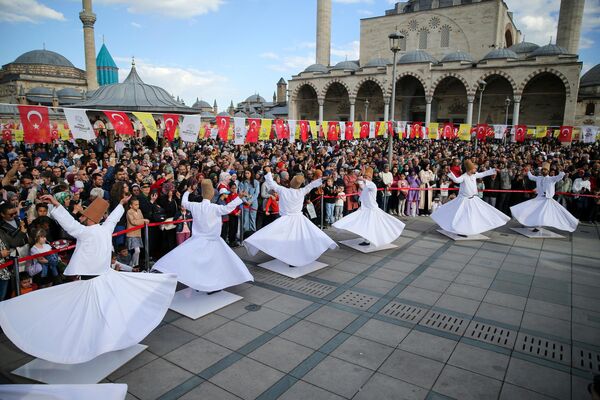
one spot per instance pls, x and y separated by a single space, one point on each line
482 85
395 39
366 109
507 102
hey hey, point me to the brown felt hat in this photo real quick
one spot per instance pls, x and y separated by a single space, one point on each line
95 211
369 173
208 191
546 165
297 181
469 165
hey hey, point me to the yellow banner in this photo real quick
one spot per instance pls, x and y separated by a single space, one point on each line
531 132
434 127
464 132
356 126
19 135
556 133
540 131
381 128
313 129
148 122
230 131
265 129
64 133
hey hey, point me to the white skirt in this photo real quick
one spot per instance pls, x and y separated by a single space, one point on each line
542 211
205 265
77 321
102 391
468 216
373 224
292 239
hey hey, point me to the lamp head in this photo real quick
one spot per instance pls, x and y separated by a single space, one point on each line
395 38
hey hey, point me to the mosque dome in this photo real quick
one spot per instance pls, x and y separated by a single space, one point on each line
69 96
378 62
458 56
201 104
548 50
500 54
591 78
524 47
40 95
417 56
255 98
45 57
345 66
317 68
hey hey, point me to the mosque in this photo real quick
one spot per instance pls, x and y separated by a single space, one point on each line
454 56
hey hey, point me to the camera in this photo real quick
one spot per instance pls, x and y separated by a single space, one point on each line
26 204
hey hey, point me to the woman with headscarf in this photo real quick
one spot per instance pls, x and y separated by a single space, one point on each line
251 187
427 178
168 202
350 188
412 200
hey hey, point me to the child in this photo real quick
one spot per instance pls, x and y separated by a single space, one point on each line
234 217
402 194
26 283
444 184
271 208
43 264
134 238
340 199
119 266
222 200
123 255
184 229
480 187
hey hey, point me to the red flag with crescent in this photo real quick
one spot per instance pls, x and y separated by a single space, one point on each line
54 131
364 129
280 128
333 131
171 121
390 128
304 128
253 129
481 131
286 130
520 132
566 134
416 130
349 130
120 122
36 124
223 126
6 133
448 131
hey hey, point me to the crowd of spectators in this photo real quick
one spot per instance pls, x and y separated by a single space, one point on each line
156 176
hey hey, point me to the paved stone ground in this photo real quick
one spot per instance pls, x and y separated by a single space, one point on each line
509 318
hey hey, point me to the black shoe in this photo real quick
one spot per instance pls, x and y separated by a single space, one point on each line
535 230
364 243
213 292
292 266
462 235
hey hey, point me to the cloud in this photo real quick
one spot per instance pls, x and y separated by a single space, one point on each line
292 64
350 51
136 25
182 9
269 55
31 11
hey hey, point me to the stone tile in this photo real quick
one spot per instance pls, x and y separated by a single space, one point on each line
335 275
167 338
384 387
548 309
586 317
154 379
202 325
208 391
579 387
234 310
515 277
258 295
505 300
465 385
281 354
401 266
331 317
433 284
510 288
363 352
439 273
389 275
466 291
457 304
137 362
548 325
419 295
233 335
412 368
309 334
431 346
246 378
474 280
512 392
449 264
556 285
379 286
303 391
475 359
586 303
287 304
498 313
263 319
550 296
197 355
480 271
539 379
338 376
586 334
352 266
383 332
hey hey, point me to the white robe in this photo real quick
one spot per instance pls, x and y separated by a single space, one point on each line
543 210
75 322
291 238
369 221
102 391
467 214
204 262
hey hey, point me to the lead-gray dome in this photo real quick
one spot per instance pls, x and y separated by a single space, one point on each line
201 104
255 98
500 54
591 78
458 56
417 56
524 47
346 66
317 68
68 92
377 62
549 50
45 57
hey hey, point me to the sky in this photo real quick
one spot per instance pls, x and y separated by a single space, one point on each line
227 50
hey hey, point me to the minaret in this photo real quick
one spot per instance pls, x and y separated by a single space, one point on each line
88 18
323 31
215 108
569 25
281 91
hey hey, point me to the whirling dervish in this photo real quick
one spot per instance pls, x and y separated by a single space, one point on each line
370 222
204 262
467 214
291 238
102 391
543 210
78 321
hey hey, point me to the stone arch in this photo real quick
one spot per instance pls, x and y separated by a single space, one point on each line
553 71
448 96
414 75
354 91
498 72
336 101
448 75
331 82
509 38
305 83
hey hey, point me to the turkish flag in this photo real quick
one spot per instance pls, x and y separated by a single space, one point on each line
520 132
36 124
566 134
120 122
286 130
448 131
482 131
416 130
6 133
390 128
349 130
333 131
364 129
223 125
171 121
304 128
54 132
279 128
253 128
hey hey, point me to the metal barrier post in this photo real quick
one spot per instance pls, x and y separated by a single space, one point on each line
242 223
322 207
385 200
147 247
17 277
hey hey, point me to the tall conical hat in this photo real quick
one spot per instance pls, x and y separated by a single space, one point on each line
95 211
546 165
208 191
469 165
369 172
297 181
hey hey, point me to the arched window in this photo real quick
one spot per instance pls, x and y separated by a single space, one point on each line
445 36
590 109
508 38
423 38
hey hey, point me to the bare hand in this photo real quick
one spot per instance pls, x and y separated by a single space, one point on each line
23 227
267 170
48 198
125 199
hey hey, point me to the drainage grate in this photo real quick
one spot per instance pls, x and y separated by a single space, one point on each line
586 359
543 348
444 322
300 285
491 334
403 312
356 299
